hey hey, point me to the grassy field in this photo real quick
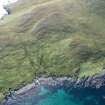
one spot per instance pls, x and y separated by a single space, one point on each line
51 37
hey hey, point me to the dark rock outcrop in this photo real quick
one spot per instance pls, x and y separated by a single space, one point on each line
94 82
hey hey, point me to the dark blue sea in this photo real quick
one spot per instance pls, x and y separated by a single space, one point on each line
43 95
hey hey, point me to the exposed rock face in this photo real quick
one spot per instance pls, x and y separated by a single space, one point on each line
96 82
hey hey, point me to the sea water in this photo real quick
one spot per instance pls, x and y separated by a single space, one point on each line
56 96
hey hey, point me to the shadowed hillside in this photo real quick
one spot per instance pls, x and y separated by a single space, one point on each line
51 37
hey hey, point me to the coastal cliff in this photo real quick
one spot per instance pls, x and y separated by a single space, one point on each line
54 38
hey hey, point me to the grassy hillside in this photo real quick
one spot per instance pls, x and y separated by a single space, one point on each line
51 37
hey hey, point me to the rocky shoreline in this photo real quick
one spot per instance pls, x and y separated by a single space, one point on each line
95 82
68 83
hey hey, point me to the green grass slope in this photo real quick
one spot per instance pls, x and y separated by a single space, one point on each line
51 37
